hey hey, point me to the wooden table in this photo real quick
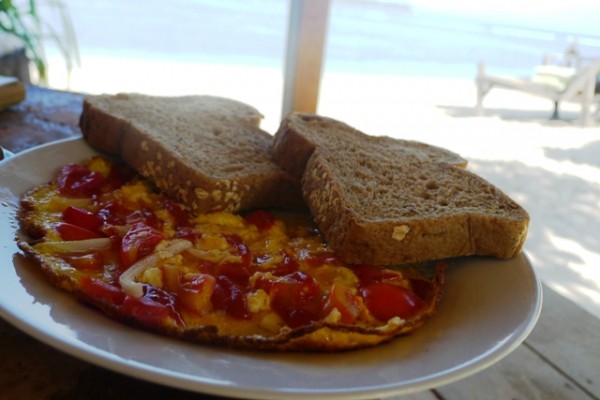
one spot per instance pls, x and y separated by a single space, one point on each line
560 359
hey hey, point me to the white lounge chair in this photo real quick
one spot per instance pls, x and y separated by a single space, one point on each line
557 83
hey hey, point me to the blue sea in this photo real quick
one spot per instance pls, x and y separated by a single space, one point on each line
392 37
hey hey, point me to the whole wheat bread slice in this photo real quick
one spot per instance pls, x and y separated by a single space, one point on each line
379 201
207 152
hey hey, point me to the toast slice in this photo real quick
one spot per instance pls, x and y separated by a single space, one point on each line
379 201
207 152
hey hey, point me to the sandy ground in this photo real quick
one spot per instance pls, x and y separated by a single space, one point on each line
551 167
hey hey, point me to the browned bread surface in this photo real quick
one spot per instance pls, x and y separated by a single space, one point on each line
382 204
208 152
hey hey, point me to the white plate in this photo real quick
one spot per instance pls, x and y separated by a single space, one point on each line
488 309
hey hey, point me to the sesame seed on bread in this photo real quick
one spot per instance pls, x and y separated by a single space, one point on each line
384 201
207 152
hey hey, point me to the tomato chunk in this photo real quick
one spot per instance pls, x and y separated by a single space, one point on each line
153 307
181 216
100 290
371 274
229 297
73 232
145 310
297 317
144 215
287 266
138 242
262 219
186 232
196 294
82 218
238 273
341 298
320 259
296 298
113 212
297 287
118 176
236 242
386 301
77 180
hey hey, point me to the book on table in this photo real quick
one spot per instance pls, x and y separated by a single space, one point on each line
12 91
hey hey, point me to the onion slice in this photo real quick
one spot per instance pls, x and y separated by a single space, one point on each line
128 278
73 246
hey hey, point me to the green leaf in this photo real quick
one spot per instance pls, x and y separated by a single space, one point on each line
26 24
